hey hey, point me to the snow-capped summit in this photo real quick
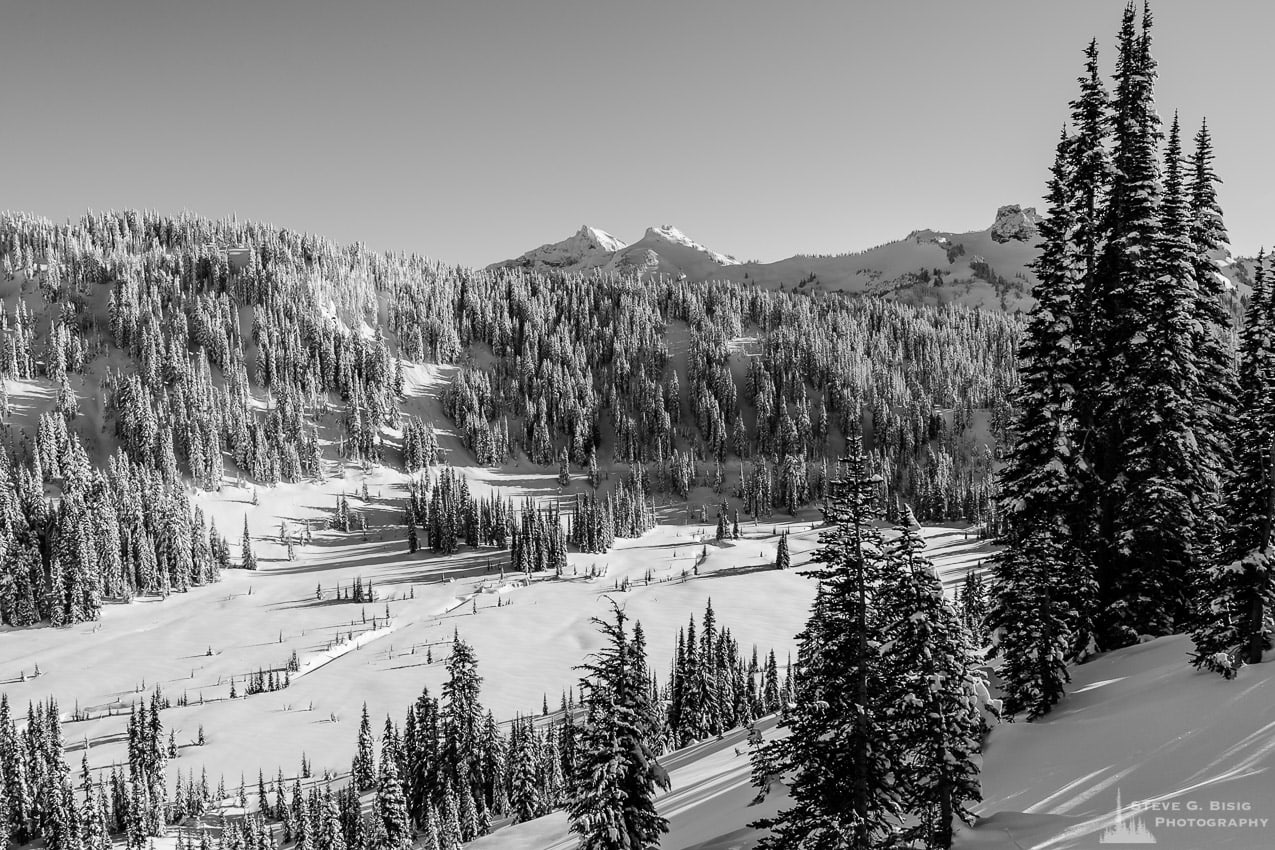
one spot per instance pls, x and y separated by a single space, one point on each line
669 233
600 238
663 250
990 268
668 251
588 248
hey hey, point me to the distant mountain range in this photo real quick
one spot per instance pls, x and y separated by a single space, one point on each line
986 268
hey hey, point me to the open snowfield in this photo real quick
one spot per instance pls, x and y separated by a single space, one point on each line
349 653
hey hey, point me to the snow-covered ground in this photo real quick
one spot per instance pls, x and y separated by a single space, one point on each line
348 652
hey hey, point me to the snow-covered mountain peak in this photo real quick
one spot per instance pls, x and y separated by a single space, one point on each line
669 233
599 238
587 248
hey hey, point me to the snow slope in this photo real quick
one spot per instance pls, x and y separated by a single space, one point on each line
384 651
192 644
1142 727
897 269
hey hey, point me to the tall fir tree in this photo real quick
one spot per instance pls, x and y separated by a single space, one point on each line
1033 612
935 711
843 784
1237 599
613 789
364 773
1167 484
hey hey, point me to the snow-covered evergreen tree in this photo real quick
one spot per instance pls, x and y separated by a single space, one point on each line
843 779
462 717
364 770
391 807
1237 597
937 691
613 789
1033 612
248 560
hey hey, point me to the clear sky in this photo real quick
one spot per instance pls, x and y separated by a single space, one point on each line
471 131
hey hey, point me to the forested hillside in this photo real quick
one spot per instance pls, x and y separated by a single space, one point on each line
176 352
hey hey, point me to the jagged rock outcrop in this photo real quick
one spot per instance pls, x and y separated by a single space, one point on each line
1015 223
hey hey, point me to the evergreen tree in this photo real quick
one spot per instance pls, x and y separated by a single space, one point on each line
332 836
1032 622
1238 594
613 789
843 784
564 469
391 807
1217 390
1041 483
248 559
973 605
462 716
364 772
1167 483
524 794
935 711
449 822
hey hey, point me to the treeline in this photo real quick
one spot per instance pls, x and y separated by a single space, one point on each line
443 514
73 537
216 317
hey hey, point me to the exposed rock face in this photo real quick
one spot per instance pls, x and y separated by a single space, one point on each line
1015 222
